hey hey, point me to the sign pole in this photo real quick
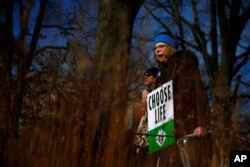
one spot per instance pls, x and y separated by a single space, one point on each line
158 161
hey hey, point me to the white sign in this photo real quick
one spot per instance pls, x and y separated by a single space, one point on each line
160 106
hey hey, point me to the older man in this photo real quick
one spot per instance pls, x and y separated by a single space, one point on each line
190 102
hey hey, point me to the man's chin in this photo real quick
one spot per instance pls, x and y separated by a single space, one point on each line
162 60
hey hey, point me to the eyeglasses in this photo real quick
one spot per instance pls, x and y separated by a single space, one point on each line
160 46
147 75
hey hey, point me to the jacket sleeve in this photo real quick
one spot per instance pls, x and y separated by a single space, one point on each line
191 98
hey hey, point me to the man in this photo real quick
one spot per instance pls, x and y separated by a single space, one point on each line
141 138
149 78
190 102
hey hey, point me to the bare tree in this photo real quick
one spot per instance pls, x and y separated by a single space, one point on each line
17 54
24 60
102 109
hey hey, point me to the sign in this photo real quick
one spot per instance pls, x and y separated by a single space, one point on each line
160 107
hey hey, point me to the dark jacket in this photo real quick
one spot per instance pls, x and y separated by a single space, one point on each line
190 102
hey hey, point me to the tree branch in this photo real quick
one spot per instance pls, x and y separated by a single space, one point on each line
244 96
245 57
157 18
59 27
51 47
213 36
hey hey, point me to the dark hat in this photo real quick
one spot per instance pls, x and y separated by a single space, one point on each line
153 71
165 38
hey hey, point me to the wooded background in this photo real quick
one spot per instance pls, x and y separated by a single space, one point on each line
71 75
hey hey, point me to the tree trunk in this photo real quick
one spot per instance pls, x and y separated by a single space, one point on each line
105 129
6 52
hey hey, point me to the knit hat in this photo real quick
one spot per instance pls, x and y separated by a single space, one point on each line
165 38
153 71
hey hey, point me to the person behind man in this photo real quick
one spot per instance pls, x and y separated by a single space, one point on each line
149 78
190 102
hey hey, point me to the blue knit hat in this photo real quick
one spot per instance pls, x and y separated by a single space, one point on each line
165 38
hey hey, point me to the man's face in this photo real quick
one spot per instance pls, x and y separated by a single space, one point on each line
148 79
162 52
